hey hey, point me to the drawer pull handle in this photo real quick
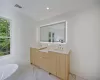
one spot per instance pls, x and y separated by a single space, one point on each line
45 57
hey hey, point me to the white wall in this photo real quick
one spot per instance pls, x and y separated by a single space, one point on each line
22 31
84 40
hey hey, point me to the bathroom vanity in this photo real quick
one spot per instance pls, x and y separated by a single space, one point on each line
52 62
51 54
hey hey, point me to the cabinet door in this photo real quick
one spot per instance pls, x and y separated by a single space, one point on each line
52 63
61 66
67 66
38 59
33 52
31 56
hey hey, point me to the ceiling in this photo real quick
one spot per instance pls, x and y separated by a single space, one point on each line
37 8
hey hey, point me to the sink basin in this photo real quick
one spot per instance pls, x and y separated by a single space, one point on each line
7 70
44 50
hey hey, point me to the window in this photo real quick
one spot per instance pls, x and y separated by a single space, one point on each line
4 36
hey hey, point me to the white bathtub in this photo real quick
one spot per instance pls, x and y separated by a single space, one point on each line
7 70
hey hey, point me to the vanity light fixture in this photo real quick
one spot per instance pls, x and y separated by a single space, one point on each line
47 8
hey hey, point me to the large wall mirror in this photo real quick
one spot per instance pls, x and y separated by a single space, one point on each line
56 32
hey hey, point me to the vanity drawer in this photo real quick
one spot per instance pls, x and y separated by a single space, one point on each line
48 59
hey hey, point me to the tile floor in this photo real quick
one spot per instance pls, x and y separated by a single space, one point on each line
31 73
28 72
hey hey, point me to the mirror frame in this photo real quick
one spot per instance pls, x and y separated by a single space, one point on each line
64 21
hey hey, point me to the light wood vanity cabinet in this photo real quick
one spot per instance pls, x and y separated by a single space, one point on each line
38 59
52 62
61 66
32 56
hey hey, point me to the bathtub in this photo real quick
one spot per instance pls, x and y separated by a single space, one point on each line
7 70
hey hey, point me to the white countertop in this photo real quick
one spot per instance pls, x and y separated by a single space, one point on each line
61 52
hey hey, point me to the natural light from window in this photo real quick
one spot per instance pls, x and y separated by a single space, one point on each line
4 36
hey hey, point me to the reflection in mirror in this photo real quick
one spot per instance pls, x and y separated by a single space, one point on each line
53 33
